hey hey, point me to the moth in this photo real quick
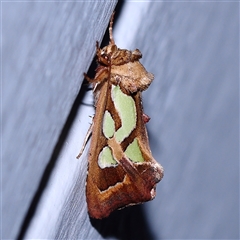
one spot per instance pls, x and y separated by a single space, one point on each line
121 168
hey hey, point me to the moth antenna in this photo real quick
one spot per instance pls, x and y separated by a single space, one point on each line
110 30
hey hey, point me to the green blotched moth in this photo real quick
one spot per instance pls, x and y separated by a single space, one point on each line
121 168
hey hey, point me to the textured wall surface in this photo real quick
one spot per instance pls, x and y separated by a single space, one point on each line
192 49
46 48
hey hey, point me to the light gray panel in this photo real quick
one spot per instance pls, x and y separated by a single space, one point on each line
46 46
193 50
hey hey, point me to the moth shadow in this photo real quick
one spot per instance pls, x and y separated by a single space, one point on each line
128 223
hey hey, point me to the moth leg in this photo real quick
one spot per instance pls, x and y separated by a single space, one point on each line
102 74
89 132
146 118
87 77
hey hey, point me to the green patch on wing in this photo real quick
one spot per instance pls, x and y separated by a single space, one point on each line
105 158
126 108
133 152
108 125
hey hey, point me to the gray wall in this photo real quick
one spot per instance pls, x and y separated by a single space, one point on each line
46 48
192 49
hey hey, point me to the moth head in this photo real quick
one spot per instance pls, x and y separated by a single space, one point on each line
108 50
104 55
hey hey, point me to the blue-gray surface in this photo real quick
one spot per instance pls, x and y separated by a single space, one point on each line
194 102
193 50
46 47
